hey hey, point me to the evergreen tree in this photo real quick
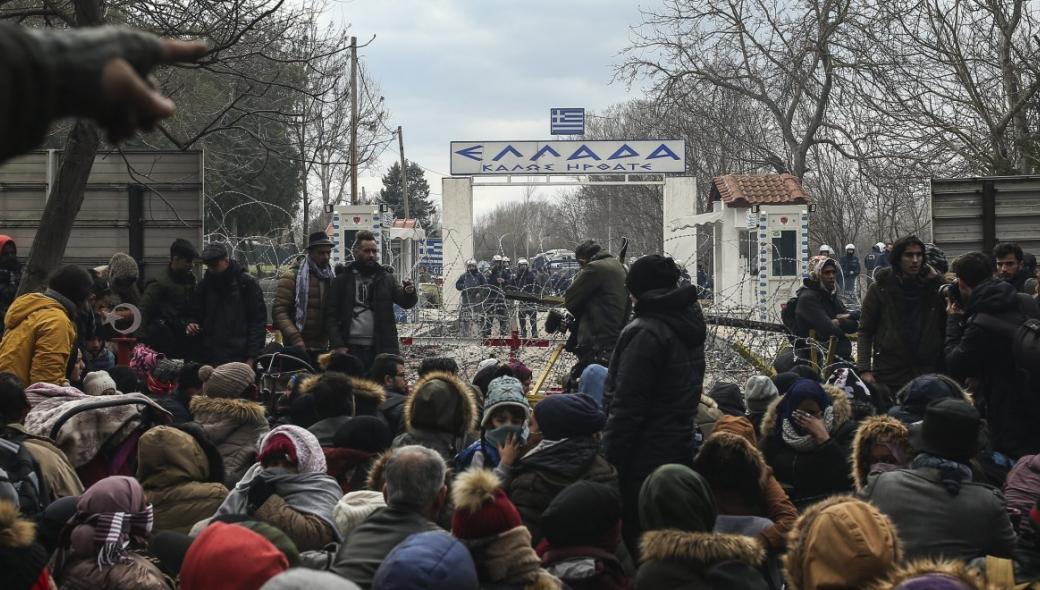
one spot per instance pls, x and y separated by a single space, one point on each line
418 193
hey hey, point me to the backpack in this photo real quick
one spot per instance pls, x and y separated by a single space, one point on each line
788 315
19 476
1025 338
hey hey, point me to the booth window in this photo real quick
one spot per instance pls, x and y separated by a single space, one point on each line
785 254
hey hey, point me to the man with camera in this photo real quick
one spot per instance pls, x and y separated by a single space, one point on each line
599 302
983 316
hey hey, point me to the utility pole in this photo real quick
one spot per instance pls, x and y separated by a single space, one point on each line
353 122
406 248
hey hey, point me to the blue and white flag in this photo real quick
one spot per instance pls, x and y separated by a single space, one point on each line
567 121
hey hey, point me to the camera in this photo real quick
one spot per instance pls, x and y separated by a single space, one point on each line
558 321
951 291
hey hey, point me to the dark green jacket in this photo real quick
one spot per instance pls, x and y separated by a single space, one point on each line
883 345
168 298
599 299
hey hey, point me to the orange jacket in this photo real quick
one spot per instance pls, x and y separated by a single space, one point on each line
40 336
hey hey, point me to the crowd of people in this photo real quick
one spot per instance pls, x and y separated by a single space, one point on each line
913 465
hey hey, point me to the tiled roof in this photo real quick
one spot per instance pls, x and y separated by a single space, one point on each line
406 223
763 189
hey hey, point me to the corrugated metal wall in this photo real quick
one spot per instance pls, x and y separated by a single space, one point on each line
172 203
973 214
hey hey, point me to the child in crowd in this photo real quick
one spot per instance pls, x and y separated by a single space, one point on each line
503 429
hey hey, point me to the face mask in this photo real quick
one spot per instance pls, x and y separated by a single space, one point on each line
498 436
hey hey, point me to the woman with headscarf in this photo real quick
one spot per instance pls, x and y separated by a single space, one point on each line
679 550
95 544
288 488
806 438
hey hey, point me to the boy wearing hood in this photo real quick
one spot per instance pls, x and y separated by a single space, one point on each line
654 381
503 429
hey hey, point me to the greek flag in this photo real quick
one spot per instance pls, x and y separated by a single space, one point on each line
567 121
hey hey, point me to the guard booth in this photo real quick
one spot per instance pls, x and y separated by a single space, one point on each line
758 228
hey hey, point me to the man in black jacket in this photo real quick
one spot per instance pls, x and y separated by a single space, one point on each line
980 322
1011 266
655 381
166 303
359 314
230 315
821 310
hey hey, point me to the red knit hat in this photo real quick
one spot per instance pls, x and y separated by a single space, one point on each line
230 557
482 509
278 444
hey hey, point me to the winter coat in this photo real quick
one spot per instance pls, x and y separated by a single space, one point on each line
875 259
230 309
168 299
365 547
1022 488
235 427
444 422
599 300
471 284
654 384
58 473
877 430
932 523
680 560
849 269
885 346
815 310
175 473
495 290
283 309
1001 390
349 466
39 338
308 532
545 471
386 291
810 476
83 573
587 568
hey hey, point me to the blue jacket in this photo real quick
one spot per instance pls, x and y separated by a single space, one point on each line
432 560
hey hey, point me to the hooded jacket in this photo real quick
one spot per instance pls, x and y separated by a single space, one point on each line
680 560
599 300
440 414
840 542
58 473
1002 393
823 471
230 309
176 474
39 338
933 523
882 343
945 569
386 291
433 560
235 427
283 309
545 471
654 384
365 547
815 310
878 430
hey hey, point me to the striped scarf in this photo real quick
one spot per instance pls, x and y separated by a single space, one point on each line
112 532
303 287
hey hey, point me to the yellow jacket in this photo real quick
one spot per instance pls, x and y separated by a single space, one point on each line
39 339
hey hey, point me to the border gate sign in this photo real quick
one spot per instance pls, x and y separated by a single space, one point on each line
513 158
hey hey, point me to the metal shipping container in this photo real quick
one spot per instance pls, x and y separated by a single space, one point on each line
138 205
974 214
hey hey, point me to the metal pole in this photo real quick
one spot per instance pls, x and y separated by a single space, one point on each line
353 122
406 247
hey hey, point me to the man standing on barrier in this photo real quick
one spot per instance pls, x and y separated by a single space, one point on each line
599 302
299 300
359 313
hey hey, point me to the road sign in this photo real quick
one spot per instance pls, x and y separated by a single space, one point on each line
568 157
567 121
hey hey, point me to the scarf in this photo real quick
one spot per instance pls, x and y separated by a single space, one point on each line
310 493
506 558
112 532
107 514
952 473
303 287
805 442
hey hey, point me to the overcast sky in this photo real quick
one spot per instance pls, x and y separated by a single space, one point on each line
486 69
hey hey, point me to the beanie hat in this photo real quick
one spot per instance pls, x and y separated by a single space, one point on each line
300 578
72 282
652 272
353 508
99 383
759 392
520 370
229 380
729 398
482 508
121 266
23 561
677 497
504 391
565 415
268 531
936 258
587 249
167 370
231 557
582 514
433 560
